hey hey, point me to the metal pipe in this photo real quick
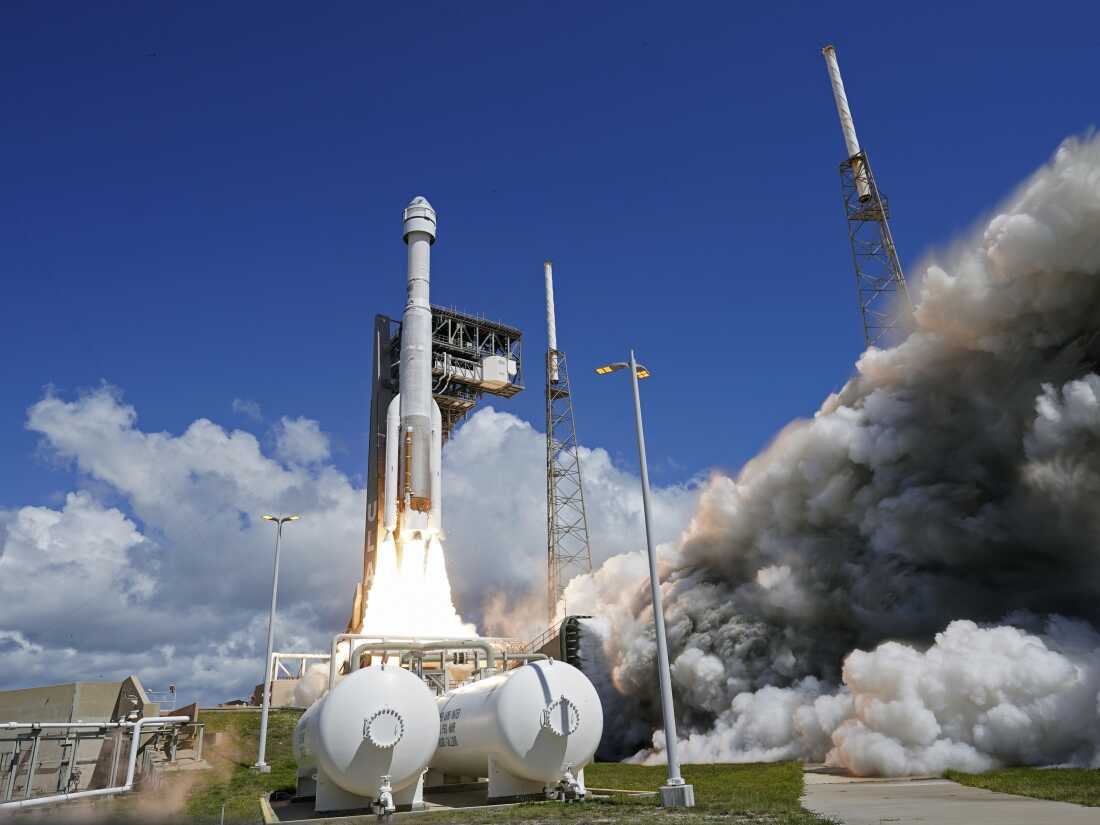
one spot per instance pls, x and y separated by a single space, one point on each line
130 769
847 125
262 765
667 709
423 647
10 725
32 764
374 637
403 643
523 657
278 656
551 320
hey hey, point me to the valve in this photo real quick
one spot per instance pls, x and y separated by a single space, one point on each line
383 805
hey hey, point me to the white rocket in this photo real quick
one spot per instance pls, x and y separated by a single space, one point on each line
414 426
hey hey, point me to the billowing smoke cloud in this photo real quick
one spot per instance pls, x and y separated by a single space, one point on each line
955 477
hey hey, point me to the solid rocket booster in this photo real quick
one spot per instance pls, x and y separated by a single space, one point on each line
414 431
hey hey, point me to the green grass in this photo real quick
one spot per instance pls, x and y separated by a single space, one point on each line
733 793
757 793
1078 785
231 781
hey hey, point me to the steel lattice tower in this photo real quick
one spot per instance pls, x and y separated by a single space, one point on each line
567 550
884 304
566 520
883 296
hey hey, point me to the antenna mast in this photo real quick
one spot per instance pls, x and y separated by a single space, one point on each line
566 521
884 303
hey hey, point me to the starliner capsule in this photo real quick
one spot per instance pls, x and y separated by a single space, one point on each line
414 426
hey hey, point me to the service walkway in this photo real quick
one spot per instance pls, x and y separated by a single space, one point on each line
928 801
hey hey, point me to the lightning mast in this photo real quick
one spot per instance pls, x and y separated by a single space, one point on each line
883 296
567 549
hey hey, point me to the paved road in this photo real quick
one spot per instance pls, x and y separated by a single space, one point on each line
933 802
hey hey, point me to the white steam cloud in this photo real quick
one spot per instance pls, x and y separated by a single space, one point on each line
882 586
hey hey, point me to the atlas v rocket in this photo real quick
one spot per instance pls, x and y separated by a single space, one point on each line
414 427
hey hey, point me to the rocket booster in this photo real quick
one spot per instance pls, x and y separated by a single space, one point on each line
414 431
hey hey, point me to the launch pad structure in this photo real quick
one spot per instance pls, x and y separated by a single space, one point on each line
567 548
884 302
471 356
881 291
885 309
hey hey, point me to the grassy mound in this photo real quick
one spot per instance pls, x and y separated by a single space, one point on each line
231 781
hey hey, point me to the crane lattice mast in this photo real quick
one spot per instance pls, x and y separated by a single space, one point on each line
567 549
884 304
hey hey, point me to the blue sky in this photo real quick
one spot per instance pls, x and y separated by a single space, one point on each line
202 202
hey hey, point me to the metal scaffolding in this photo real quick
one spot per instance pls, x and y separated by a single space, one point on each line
884 303
566 520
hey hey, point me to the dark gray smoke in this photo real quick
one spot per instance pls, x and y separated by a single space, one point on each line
955 477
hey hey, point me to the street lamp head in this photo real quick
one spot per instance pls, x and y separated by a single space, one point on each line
292 518
270 518
607 369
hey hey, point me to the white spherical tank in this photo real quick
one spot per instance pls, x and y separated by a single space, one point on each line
378 721
536 722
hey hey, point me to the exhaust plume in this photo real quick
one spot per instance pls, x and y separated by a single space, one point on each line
840 598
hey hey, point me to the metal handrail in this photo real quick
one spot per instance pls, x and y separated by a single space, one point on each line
543 637
119 789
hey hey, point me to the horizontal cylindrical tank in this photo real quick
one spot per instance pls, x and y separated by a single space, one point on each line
536 722
378 721
304 744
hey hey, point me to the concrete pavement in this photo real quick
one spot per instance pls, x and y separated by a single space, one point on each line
928 801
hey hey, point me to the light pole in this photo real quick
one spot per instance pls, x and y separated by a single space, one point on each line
675 793
262 765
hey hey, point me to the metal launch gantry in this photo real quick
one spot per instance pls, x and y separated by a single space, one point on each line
567 549
884 303
471 356
568 552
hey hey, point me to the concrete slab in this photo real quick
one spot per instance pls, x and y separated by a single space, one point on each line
933 802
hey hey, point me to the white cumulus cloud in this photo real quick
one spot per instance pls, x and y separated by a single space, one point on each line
157 562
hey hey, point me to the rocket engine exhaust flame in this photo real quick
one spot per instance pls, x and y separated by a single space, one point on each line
411 593
909 581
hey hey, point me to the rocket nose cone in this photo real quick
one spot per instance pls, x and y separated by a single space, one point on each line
419 216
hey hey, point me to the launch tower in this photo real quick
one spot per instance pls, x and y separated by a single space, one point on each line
884 303
567 551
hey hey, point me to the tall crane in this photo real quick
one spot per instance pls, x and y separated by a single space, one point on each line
884 303
567 550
